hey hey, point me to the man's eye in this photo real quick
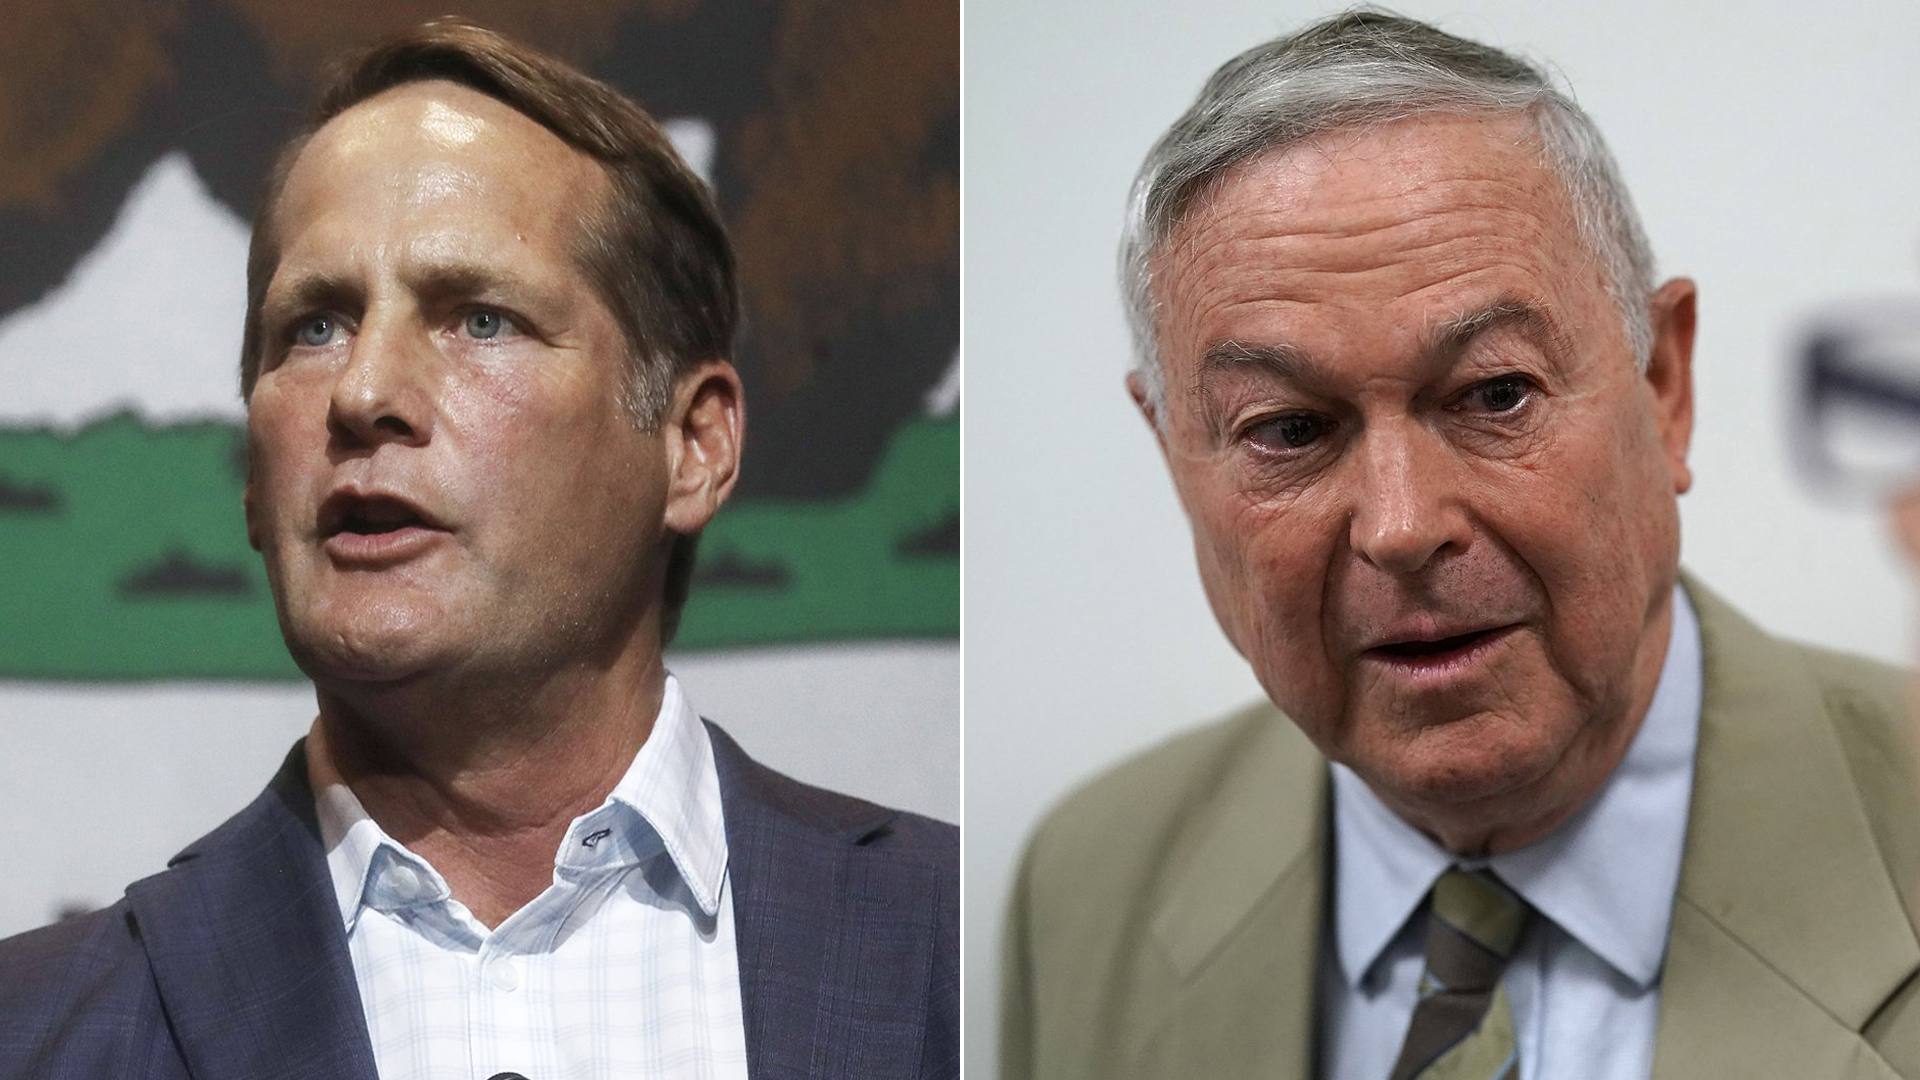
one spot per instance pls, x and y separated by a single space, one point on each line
484 323
316 331
1504 394
1290 432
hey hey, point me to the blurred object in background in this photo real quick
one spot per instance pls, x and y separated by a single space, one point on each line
1860 399
73 909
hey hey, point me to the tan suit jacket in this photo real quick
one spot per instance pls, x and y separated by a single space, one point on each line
1168 918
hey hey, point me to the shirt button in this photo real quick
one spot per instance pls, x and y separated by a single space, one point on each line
504 974
406 881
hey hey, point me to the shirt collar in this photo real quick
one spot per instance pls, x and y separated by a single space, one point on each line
673 791
668 800
1383 867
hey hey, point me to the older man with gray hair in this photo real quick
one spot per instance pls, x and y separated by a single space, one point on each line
1533 803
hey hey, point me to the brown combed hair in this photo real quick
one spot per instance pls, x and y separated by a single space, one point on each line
655 250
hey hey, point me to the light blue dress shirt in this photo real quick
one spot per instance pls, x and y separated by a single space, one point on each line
1585 982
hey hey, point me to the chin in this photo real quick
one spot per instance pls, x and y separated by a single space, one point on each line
373 646
1474 760
340 662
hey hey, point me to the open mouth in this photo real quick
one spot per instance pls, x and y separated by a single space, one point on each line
375 530
372 515
1439 652
376 516
1435 648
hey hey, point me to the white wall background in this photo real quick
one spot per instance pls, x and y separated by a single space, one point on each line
1774 151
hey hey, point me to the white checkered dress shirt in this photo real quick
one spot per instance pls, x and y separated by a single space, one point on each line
624 966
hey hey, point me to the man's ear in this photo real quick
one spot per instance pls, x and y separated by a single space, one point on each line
1138 390
1672 310
703 427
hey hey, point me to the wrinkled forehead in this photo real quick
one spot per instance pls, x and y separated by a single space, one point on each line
1409 205
434 144
1407 169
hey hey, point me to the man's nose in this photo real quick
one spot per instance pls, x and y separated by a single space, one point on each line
383 393
1407 503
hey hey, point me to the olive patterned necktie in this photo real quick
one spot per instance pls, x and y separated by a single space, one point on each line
1462 1028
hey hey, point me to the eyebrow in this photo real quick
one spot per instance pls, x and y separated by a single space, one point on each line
453 278
309 292
1452 335
1441 344
435 281
1225 357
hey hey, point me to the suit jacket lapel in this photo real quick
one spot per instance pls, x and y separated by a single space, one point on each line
244 938
834 975
1778 846
1241 926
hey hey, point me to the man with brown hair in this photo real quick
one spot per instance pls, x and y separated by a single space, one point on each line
490 408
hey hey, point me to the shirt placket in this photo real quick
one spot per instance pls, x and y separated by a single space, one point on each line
504 996
513 968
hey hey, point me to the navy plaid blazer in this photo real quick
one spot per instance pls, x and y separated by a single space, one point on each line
231 964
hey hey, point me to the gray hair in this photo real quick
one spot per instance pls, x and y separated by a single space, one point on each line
1357 70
